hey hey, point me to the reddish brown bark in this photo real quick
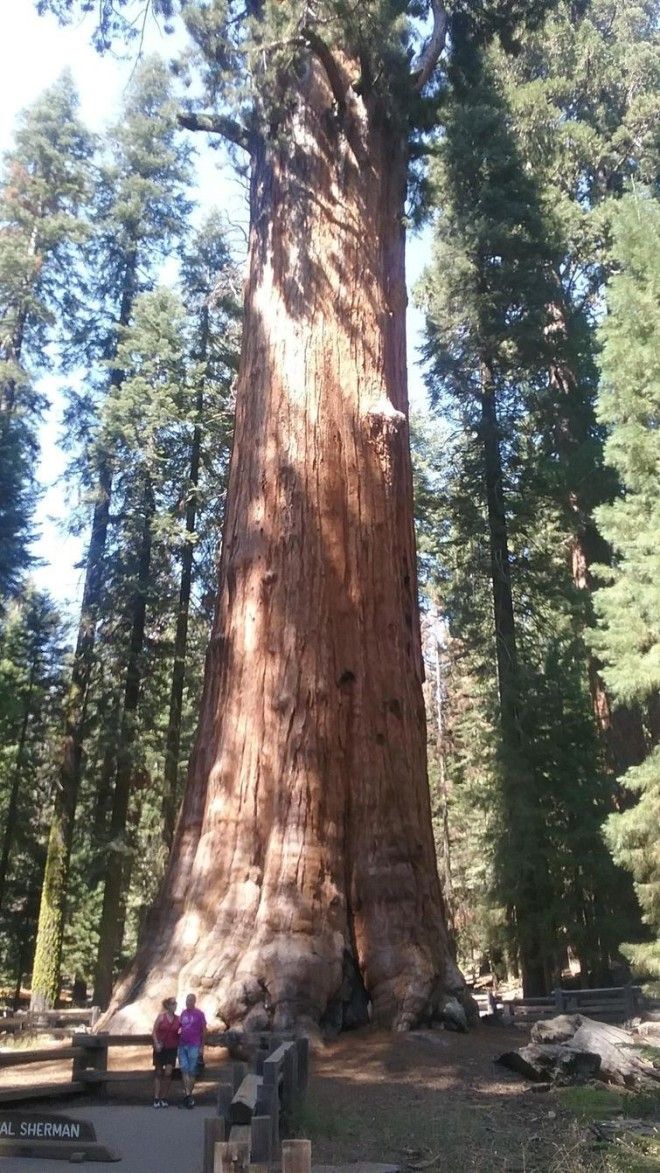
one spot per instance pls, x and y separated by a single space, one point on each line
303 859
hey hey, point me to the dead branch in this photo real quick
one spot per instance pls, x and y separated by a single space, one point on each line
428 58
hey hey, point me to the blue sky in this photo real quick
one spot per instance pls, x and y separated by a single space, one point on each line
33 53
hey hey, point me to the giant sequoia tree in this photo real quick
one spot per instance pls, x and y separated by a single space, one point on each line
302 877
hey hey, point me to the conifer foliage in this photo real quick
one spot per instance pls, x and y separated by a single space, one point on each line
628 607
44 182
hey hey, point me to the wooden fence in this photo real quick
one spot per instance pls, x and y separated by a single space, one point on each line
256 1101
53 1022
255 1109
608 1004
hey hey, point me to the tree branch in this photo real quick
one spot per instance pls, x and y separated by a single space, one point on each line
428 58
339 83
216 124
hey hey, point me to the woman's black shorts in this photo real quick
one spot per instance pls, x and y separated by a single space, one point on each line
166 1057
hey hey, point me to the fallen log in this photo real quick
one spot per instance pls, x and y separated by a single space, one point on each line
571 1049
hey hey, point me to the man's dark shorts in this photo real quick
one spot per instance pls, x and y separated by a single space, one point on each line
165 1057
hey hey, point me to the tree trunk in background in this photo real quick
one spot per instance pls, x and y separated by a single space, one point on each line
52 910
302 878
524 841
115 870
171 778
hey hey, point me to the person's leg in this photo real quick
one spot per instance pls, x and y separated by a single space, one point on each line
157 1080
165 1081
184 1065
193 1056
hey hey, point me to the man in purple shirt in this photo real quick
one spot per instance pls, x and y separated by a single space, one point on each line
191 1047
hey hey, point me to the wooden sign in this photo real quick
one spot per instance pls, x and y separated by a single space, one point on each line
51 1137
43 1126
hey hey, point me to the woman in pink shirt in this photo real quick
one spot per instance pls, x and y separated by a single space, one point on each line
166 1041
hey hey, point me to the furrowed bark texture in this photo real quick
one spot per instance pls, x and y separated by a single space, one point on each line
303 871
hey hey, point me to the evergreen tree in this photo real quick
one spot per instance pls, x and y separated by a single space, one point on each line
628 637
585 99
495 352
141 206
31 681
42 188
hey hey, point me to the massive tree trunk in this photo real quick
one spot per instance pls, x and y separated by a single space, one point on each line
303 869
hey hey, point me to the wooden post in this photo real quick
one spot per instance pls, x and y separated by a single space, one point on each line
268 1106
296 1156
558 995
95 1015
223 1098
239 1071
261 1139
95 1057
231 1157
214 1131
302 1047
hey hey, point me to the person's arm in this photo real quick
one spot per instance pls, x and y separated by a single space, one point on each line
157 1043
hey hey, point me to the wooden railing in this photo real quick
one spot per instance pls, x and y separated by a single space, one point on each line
271 1067
255 1109
611 1004
52 1022
255 1102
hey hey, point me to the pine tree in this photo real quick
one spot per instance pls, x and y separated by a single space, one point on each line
31 680
495 352
42 188
140 207
585 98
628 637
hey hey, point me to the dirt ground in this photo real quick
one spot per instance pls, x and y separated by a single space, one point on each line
430 1101
434 1100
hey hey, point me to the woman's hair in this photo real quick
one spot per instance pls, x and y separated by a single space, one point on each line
167 1002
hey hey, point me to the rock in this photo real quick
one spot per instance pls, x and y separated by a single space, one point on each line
453 1015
